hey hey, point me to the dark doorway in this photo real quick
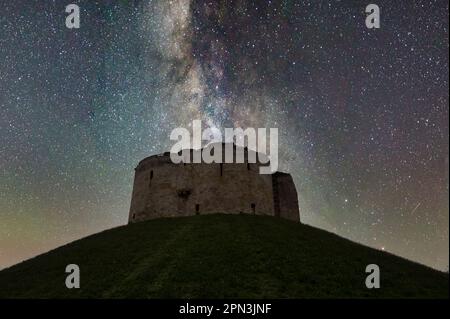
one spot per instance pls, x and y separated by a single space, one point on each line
197 209
253 206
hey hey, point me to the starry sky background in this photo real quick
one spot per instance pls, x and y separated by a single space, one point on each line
362 114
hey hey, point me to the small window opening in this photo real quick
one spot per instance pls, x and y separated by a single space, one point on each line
150 180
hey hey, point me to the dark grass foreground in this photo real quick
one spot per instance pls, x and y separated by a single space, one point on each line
219 256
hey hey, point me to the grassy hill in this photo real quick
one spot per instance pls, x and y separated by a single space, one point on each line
219 256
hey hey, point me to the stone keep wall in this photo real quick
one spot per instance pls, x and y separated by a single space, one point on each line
285 197
164 189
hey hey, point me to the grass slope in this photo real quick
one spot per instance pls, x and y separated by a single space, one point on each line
218 256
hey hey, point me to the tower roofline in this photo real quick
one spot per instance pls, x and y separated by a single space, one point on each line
167 154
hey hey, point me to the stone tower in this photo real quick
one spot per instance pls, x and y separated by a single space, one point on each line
165 189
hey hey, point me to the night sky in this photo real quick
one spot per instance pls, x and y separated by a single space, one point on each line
362 114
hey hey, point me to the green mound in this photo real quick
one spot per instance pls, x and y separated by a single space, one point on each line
219 256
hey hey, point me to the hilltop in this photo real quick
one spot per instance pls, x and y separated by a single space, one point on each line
219 256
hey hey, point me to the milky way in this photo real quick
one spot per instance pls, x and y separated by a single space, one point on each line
362 114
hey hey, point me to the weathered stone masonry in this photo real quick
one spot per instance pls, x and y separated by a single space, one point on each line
164 189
